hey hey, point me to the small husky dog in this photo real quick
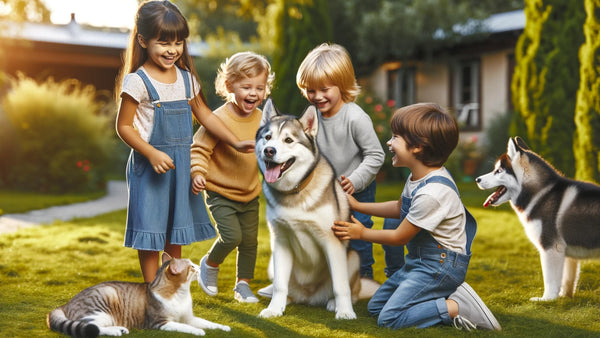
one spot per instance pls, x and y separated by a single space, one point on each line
113 308
310 265
561 216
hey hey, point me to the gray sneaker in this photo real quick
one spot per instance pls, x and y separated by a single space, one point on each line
243 294
266 292
208 278
472 311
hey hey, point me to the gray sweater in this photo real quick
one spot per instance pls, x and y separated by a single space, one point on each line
349 142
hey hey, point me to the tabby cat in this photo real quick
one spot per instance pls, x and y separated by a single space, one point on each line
112 308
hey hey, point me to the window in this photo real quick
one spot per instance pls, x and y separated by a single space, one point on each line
465 94
401 86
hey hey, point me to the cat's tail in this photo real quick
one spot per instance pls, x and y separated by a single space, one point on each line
58 321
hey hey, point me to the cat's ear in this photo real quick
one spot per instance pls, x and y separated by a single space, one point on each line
166 257
176 266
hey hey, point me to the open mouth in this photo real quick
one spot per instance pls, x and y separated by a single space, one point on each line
501 190
274 170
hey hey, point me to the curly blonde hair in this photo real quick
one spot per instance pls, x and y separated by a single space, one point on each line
239 66
328 64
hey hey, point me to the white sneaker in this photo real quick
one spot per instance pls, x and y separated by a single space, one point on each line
368 286
243 294
208 277
472 311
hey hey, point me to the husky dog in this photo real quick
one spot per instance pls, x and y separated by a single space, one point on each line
310 265
561 216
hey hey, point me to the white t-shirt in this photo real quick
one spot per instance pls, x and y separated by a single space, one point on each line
134 86
438 209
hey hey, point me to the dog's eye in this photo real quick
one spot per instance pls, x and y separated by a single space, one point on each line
288 140
499 170
267 137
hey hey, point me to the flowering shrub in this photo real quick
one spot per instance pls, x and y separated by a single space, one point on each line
381 114
57 133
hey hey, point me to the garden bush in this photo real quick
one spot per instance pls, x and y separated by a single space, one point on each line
59 140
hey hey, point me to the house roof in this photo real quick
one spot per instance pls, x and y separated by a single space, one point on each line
77 35
495 23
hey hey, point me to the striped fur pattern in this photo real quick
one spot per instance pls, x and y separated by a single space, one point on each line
561 216
114 308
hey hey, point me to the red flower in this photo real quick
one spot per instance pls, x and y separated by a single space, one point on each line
86 168
79 164
368 99
378 107
391 103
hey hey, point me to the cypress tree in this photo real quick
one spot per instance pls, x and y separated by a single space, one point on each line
301 26
546 78
586 146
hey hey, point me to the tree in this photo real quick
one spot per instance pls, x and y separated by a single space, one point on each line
300 25
586 145
25 10
546 78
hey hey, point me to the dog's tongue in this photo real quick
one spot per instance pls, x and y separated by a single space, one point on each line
488 201
272 174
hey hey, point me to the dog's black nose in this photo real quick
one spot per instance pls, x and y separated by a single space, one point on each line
270 152
477 179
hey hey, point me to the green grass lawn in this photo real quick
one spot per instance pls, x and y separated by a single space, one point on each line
43 267
14 202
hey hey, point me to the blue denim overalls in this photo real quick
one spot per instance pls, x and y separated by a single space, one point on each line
162 206
416 294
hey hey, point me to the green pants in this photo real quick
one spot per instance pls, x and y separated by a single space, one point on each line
237 227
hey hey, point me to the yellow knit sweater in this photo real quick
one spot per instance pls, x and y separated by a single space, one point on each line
228 172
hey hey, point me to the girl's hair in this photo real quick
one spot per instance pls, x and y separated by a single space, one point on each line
239 66
328 64
161 20
428 126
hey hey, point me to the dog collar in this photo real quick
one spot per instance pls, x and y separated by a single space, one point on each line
302 184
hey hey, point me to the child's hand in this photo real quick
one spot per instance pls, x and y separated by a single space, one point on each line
198 184
347 185
348 230
245 146
352 201
161 162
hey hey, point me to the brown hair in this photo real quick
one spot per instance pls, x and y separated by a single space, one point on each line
426 125
328 63
156 19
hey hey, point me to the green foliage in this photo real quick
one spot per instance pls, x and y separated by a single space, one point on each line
45 266
301 26
59 142
586 145
546 78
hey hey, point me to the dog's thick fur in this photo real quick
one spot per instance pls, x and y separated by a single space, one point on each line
310 264
561 216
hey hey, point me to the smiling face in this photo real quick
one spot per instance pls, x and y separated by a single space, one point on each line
248 93
328 99
162 55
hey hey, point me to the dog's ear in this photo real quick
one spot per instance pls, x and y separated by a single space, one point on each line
309 121
515 145
268 112
521 143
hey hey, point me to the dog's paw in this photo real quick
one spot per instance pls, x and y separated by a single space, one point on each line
270 313
345 315
541 299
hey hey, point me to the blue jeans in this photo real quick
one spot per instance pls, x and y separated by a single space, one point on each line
416 294
394 255
365 249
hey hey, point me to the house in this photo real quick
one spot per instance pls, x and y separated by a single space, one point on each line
472 80
90 54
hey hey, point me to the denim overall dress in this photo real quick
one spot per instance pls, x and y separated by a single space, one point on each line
416 294
162 207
